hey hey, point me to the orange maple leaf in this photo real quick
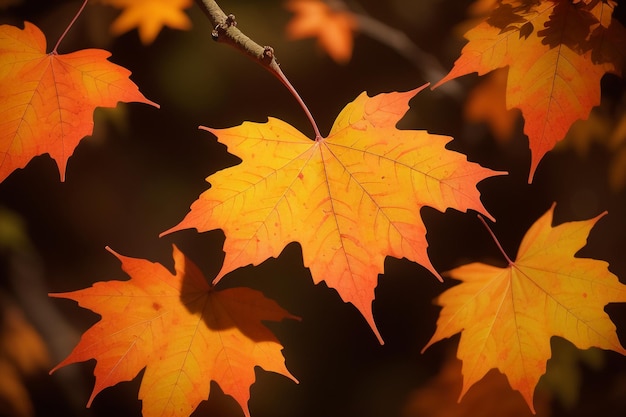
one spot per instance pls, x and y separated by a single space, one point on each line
334 29
482 7
350 199
507 316
149 17
184 332
556 53
23 355
486 103
47 100
492 397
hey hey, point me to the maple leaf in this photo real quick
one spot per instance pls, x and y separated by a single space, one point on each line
149 16
334 29
486 103
482 7
556 52
349 199
23 355
507 316
47 100
605 127
184 332
492 397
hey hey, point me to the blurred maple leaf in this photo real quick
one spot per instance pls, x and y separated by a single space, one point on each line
47 100
476 13
507 316
564 376
617 140
606 126
486 103
556 52
5 4
23 353
149 16
184 332
334 29
482 7
349 199
492 397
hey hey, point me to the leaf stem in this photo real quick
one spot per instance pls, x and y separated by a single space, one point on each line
226 31
67 29
495 239
281 76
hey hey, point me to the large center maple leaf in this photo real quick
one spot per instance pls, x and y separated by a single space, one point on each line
507 316
349 199
556 53
47 100
182 331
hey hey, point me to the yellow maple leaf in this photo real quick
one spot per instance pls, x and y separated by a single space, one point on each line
334 29
507 316
182 331
350 199
149 16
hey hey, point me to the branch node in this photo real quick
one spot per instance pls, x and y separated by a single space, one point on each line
224 31
221 28
230 20
268 55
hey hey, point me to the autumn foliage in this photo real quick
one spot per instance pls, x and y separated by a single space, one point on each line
182 331
47 99
556 53
353 201
545 292
350 199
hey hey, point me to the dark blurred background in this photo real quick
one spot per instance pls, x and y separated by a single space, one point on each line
137 175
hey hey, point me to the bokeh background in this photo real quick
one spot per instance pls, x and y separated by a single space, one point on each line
137 175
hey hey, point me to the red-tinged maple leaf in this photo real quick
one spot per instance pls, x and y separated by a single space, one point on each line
47 100
182 331
334 29
556 52
150 16
506 316
349 199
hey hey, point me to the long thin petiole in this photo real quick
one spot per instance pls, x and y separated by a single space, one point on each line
67 29
281 76
226 31
495 239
